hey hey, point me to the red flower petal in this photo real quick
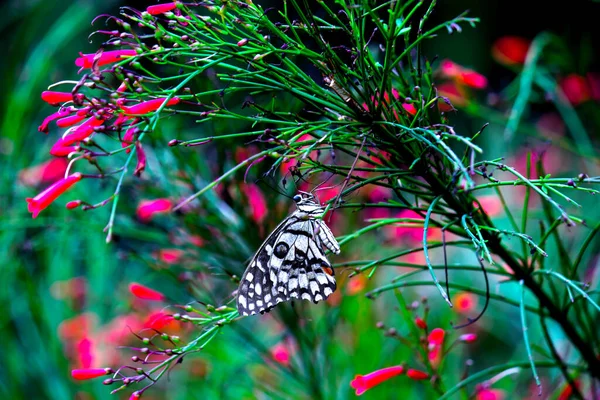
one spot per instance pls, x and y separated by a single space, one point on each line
149 106
161 8
106 57
362 383
510 50
576 89
56 97
417 375
148 208
145 293
420 323
89 373
69 121
468 337
44 199
436 337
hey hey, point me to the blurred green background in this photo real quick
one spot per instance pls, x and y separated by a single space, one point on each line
40 258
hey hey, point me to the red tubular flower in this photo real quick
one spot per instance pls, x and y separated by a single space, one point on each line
44 199
50 171
128 137
490 394
420 323
510 50
472 79
575 87
149 106
362 383
409 108
161 8
465 302
257 202
63 112
85 352
141 159
106 57
567 390
145 293
468 337
90 373
281 353
73 204
148 208
417 375
159 321
60 150
56 97
169 256
69 121
436 337
82 132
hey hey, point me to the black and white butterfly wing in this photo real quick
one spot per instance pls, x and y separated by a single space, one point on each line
290 264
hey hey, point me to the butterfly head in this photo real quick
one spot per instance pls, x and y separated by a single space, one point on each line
307 202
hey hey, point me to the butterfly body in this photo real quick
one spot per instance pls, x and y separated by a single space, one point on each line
290 264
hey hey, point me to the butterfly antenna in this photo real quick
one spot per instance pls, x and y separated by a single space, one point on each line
274 188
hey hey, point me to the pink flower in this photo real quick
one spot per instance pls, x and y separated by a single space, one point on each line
90 373
491 204
162 322
417 375
82 132
461 75
576 90
465 302
356 284
50 171
141 159
56 97
69 121
103 58
409 108
149 106
128 137
63 112
161 8
490 394
145 293
257 202
468 337
454 93
511 50
281 353
169 256
473 79
60 150
85 352
436 337
362 383
44 199
147 209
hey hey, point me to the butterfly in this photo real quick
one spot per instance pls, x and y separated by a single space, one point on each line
290 264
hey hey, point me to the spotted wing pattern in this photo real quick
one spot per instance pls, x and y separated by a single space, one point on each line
290 264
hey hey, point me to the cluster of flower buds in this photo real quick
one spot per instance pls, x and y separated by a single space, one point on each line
86 118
